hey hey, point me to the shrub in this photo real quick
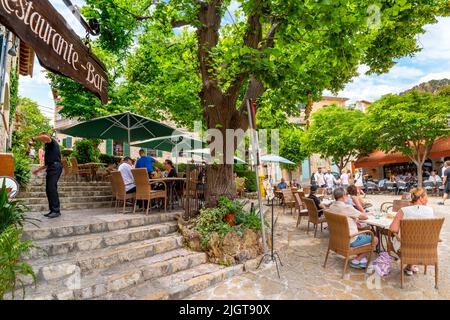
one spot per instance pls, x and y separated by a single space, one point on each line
12 211
109 159
212 220
250 180
85 151
12 266
22 167
66 153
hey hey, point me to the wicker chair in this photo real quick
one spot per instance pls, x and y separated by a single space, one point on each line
340 239
288 199
321 192
119 188
313 215
302 212
113 189
306 190
418 244
77 172
66 168
144 189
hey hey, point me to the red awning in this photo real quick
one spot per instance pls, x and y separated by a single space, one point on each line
441 148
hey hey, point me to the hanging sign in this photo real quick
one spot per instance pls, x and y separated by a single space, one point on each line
57 46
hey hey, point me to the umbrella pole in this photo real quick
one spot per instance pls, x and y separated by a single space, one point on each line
129 137
176 157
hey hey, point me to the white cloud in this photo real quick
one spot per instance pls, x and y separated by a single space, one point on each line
435 76
436 41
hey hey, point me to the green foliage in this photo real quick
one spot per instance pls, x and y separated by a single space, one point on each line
212 220
31 123
22 167
250 179
12 266
293 146
12 211
341 134
318 45
66 153
85 152
410 123
13 93
109 159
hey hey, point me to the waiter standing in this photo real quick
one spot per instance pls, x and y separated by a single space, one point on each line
52 162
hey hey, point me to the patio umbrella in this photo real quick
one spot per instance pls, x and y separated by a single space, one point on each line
206 153
176 142
272 158
125 127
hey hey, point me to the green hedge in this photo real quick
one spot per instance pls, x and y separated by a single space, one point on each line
250 179
109 159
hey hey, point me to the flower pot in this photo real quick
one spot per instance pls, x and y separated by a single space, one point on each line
229 218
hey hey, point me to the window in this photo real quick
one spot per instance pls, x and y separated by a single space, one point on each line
117 148
151 153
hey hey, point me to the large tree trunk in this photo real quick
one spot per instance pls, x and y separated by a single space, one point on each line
219 182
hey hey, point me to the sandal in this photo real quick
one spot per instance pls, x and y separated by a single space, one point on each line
408 272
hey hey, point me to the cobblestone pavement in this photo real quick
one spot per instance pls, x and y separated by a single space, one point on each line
303 277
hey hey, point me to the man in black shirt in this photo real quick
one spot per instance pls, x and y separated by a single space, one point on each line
52 162
312 195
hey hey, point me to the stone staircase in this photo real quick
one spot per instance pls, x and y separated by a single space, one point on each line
73 195
97 254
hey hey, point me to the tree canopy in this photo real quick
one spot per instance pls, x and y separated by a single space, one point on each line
30 122
410 123
340 134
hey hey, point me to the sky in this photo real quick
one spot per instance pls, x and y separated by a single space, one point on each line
433 62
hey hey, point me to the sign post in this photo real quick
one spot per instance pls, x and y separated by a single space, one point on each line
57 46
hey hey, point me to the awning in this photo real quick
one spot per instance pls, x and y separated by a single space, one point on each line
26 59
441 148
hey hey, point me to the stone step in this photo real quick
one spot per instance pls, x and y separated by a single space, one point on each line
69 189
69 200
71 206
107 222
72 183
61 266
119 277
82 243
63 194
178 285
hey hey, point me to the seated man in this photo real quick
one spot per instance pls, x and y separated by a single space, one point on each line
434 178
127 176
319 205
340 206
145 162
282 184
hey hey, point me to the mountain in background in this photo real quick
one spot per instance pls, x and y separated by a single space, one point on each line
431 86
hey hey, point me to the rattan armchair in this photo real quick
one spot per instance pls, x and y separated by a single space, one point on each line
340 239
418 244
288 199
119 189
77 171
144 190
313 215
302 211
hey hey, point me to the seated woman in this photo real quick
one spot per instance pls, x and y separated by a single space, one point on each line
354 199
417 210
319 205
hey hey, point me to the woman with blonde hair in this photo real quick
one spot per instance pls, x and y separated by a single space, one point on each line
417 210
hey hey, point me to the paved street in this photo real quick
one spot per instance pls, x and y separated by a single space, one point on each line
303 277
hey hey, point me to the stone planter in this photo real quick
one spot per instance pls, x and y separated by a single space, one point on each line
232 250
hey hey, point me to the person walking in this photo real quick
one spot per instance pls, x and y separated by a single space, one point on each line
446 182
359 184
319 178
52 163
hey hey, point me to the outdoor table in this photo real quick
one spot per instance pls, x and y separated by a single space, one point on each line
171 183
380 224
